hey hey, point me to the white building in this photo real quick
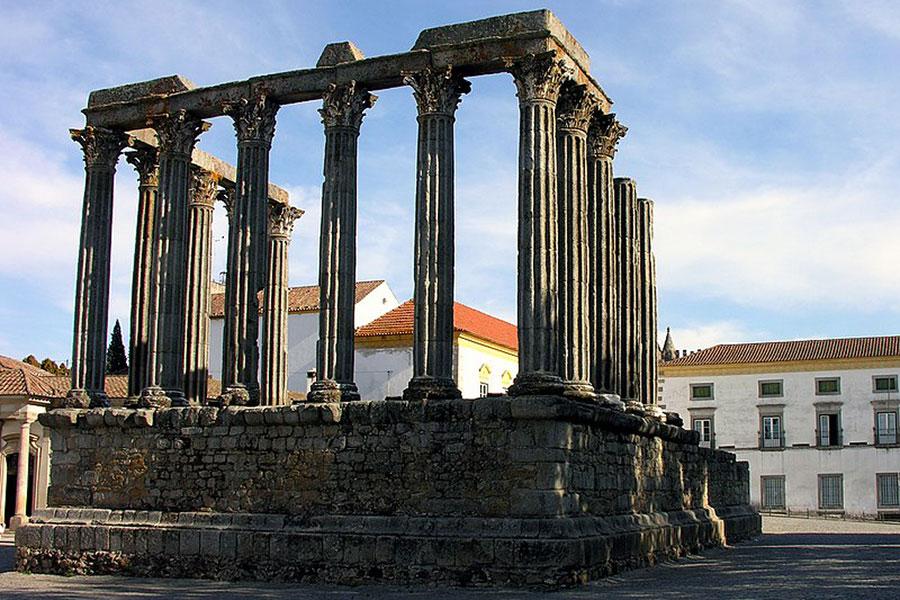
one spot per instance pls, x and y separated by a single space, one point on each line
816 419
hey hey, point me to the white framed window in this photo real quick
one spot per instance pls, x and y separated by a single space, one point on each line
772 388
888 490
882 384
483 389
831 492
828 433
772 433
772 497
828 386
702 391
705 428
886 427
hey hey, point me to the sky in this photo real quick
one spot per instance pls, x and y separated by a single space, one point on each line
765 131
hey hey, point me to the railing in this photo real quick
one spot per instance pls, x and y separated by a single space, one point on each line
771 443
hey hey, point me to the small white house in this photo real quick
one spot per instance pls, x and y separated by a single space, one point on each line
815 419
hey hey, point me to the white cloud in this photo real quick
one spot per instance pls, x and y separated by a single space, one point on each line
699 335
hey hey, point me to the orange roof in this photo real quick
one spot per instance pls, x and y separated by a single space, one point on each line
798 350
465 320
304 298
18 378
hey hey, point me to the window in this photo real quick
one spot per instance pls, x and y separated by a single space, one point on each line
770 389
888 485
701 391
772 492
506 380
705 428
884 383
772 435
831 492
828 385
829 431
886 427
483 389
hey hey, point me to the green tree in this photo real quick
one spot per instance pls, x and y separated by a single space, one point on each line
31 360
116 362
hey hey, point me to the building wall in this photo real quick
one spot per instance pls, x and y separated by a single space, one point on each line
736 410
383 371
11 412
472 355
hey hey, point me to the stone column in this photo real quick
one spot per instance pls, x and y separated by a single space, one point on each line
342 113
573 114
101 152
204 190
538 82
627 216
648 308
177 136
437 96
146 162
273 386
254 125
20 517
228 198
603 273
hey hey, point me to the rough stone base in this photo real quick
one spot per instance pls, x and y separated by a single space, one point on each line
554 552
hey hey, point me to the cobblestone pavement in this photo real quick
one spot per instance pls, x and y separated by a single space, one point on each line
795 559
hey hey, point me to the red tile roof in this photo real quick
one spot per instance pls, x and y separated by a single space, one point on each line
18 378
798 350
465 319
302 298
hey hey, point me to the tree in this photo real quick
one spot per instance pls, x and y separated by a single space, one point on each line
116 362
31 360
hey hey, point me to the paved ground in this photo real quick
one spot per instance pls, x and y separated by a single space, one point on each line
795 559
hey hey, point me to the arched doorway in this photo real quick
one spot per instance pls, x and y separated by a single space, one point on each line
12 470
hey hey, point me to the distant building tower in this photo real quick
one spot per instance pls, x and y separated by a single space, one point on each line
669 352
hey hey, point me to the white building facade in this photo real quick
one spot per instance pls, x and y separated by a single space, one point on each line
815 419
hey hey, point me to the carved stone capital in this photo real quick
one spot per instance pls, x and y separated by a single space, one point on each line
281 219
204 187
254 120
539 76
575 107
227 196
344 105
145 160
437 92
604 134
177 133
101 146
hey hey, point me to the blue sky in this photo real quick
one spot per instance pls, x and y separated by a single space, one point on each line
766 132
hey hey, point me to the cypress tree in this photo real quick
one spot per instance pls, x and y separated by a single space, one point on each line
116 362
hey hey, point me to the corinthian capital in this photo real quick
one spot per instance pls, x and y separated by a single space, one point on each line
204 187
437 92
145 160
101 146
539 76
604 134
177 133
254 120
344 105
281 219
575 107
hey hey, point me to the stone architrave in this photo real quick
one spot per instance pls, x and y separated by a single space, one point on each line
538 79
20 517
273 367
603 272
342 112
648 311
204 190
177 135
573 114
254 125
629 315
145 160
437 93
101 153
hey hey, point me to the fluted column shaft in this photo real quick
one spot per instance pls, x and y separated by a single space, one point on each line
146 163
647 304
629 316
101 152
342 113
573 115
204 190
437 96
538 81
273 384
603 135
254 124
177 135
21 514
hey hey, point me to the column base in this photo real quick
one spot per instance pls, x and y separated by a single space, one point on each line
431 388
329 391
634 407
537 383
17 521
235 394
75 398
611 401
156 397
579 390
652 411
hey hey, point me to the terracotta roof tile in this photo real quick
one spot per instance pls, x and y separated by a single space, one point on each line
304 298
18 378
797 350
465 319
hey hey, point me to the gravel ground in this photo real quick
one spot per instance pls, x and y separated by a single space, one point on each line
795 558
